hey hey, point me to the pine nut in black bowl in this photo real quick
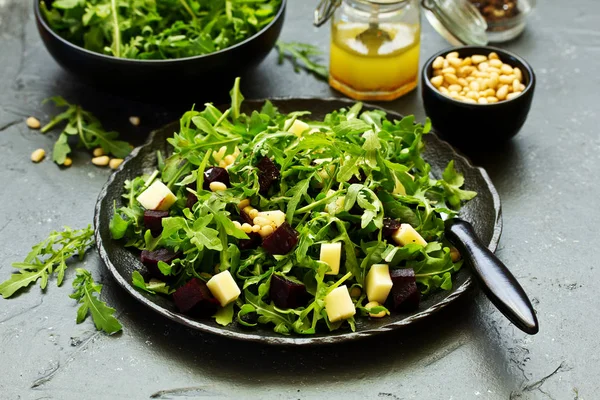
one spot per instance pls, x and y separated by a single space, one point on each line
477 96
190 74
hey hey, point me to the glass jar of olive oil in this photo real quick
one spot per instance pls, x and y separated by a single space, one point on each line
374 52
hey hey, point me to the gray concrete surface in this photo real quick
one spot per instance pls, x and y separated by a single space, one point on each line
547 178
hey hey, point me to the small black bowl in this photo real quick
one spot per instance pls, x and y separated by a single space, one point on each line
193 73
469 125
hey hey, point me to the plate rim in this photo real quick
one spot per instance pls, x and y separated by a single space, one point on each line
296 340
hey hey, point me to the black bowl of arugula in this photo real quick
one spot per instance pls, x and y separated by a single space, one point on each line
153 46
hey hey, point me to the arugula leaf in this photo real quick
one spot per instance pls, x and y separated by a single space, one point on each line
224 315
83 125
452 183
48 257
153 286
302 55
85 292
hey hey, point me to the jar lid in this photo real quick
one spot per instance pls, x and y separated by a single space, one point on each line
326 8
458 21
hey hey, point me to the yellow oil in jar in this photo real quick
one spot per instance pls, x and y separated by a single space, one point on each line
367 69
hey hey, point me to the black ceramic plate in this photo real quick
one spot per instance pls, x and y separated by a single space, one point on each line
483 213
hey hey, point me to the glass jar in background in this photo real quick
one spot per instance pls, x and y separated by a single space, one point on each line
505 18
375 47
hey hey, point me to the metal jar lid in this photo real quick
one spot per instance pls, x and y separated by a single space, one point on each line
457 21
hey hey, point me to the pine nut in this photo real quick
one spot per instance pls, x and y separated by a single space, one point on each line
482 100
217 186
518 74
98 151
438 62
101 161
477 59
473 95
463 82
506 69
229 159
373 304
455 62
469 100
452 54
516 85
450 78
449 70
437 72
243 204
445 64
467 61
502 92
33 123
495 63
506 79
256 228
237 224
444 90
38 155
454 94
135 121
115 162
474 86
492 99
437 81
68 162
222 164
489 92
493 56
511 96
454 88
266 230
483 66
454 254
247 228
253 213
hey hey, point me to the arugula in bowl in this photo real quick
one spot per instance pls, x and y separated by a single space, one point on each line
279 219
157 30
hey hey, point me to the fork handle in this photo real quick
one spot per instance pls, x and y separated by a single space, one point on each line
497 282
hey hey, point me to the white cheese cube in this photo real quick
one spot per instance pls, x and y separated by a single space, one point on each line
224 288
406 234
277 217
338 304
157 197
298 127
331 253
378 283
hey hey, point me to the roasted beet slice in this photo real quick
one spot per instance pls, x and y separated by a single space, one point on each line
215 174
153 221
252 243
286 293
191 200
194 298
246 218
151 258
390 226
282 241
405 294
268 173
354 179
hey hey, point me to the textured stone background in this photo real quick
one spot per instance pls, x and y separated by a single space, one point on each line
545 177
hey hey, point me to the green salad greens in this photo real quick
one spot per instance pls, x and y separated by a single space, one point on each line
354 177
151 30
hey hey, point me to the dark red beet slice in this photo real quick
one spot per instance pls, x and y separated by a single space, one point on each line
194 298
246 218
282 241
390 226
287 294
405 294
151 258
191 200
215 174
252 243
268 173
153 221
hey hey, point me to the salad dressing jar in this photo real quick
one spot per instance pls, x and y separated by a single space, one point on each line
374 53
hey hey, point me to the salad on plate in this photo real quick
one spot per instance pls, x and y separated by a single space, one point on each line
278 219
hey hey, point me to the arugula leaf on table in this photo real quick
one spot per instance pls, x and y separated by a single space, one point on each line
88 130
452 181
85 292
47 258
302 55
